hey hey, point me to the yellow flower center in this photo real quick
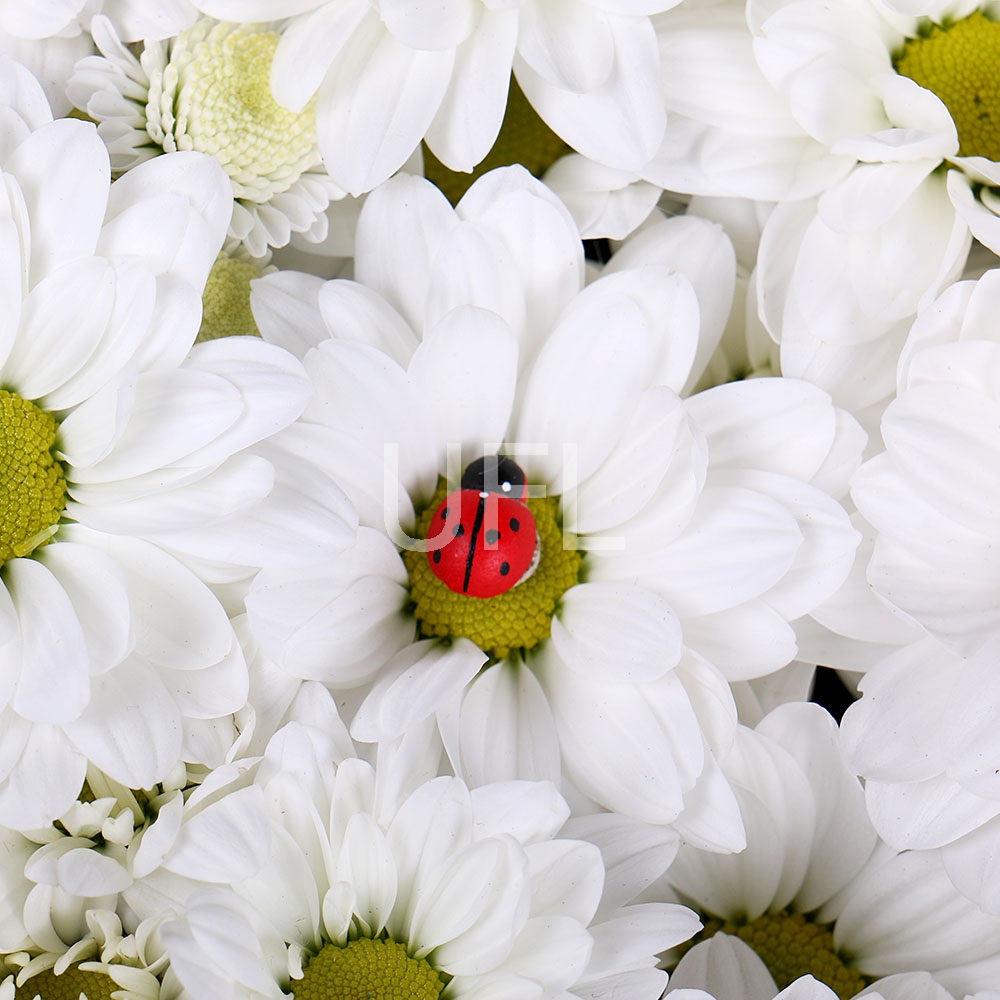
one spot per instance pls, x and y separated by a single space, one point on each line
225 305
791 945
518 619
524 138
32 484
366 968
958 62
71 985
215 96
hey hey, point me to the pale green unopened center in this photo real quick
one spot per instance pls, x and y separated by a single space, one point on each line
225 108
226 308
32 484
367 969
791 945
521 618
958 63
73 983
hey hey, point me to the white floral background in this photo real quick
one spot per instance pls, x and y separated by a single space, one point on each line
694 691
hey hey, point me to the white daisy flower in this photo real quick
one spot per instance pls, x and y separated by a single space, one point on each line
387 74
899 173
134 19
208 89
50 36
923 736
815 892
724 968
931 495
116 439
472 326
421 889
102 963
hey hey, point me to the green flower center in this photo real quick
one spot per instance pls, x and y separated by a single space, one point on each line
215 96
366 968
958 62
791 945
524 138
225 305
32 484
68 986
521 618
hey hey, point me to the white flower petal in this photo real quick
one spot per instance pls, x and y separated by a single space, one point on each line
426 25
366 862
616 632
466 368
614 744
582 390
505 728
465 923
399 234
285 308
355 312
627 480
42 774
308 45
131 728
98 591
375 105
64 174
173 211
413 684
541 239
195 632
570 45
758 536
468 121
621 121
54 684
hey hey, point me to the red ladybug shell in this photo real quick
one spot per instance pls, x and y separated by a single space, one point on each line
489 542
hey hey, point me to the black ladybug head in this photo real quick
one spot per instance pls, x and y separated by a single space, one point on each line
496 474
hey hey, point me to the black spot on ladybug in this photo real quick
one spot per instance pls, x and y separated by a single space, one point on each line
504 568
458 530
492 536
444 513
437 555
515 524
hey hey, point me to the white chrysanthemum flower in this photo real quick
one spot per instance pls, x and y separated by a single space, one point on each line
387 74
724 968
50 36
116 438
924 737
102 963
134 19
898 172
417 889
55 943
932 494
208 89
815 892
675 544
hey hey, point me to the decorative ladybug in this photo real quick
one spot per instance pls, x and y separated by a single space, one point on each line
490 537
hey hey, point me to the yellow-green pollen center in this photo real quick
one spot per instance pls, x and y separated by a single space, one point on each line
524 138
32 484
225 305
958 62
68 986
791 945
519 619
224 107
367 969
